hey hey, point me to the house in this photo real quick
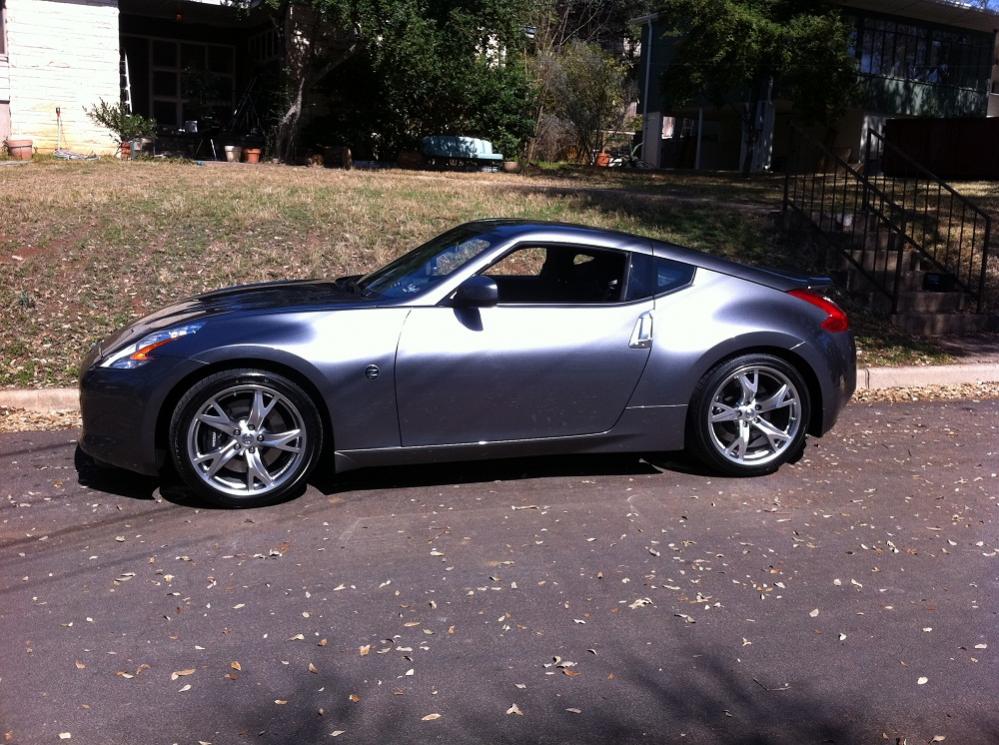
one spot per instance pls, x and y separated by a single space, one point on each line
173 60
915 58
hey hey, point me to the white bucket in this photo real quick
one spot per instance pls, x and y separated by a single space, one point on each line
233 153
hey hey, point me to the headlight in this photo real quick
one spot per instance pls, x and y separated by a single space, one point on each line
137 354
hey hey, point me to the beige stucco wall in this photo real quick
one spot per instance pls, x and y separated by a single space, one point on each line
62 53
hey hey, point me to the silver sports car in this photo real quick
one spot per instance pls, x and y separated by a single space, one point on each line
498 338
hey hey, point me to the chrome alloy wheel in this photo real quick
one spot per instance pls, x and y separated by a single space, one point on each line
755 413
247 440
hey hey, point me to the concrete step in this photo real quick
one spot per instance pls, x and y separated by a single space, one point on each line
886 260
944 324
920 302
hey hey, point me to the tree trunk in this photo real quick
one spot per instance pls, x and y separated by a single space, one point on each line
287 129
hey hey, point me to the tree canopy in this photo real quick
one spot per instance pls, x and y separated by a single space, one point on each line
728 51
405 68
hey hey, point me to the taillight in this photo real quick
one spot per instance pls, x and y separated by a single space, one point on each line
835 320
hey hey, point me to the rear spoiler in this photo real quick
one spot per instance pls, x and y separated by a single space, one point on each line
788 281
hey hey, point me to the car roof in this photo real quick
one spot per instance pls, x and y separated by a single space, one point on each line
507 229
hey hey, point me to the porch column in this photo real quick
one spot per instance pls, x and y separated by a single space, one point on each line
652 139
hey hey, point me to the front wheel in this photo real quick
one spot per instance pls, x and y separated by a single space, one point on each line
749 415
245 438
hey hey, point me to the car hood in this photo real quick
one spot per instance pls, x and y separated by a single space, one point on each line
284 296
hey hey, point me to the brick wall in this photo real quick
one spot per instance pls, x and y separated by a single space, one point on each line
62 53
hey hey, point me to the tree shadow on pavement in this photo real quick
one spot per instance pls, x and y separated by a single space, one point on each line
698 700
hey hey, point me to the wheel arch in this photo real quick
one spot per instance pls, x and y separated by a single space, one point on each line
180 387
797 361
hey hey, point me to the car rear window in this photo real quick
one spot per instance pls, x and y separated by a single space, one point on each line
650 276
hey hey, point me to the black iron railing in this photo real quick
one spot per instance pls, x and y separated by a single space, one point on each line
848 212
949 230
888 220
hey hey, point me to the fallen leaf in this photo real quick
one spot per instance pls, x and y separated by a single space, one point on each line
179 673
364 649
297 638
120 539
842 636
430 717
280 701
922 680
813 613
322 643
185 688
939 738
123 674
354 697
64 735
514 709
312 668
79 665
570 673
337 732
981 646
575 711
235 665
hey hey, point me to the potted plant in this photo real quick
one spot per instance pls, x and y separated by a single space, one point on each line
510 146
124 125
20 148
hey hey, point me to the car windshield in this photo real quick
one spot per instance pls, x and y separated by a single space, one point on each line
427 266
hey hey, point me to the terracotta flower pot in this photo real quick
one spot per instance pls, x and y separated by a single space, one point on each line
511 166
126 151
251 154
20 149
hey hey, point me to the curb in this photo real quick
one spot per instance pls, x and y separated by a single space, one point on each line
877 378
42 399
868 379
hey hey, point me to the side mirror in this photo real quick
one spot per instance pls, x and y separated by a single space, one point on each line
476 292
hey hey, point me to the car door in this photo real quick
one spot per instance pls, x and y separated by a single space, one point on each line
558 356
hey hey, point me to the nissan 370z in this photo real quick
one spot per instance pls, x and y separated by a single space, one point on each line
498 338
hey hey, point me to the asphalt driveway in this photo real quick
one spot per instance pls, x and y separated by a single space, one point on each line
850 598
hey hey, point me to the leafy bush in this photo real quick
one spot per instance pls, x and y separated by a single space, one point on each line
125 125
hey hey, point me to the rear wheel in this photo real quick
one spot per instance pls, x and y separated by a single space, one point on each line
245 438
749 415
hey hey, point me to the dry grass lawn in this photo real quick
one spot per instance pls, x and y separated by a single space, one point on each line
86 247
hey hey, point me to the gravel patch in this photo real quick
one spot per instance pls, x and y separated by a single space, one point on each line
22 420
965 392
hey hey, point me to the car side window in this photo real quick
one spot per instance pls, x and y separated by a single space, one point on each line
652 275
560 274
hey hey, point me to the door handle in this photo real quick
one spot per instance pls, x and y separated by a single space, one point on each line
641 337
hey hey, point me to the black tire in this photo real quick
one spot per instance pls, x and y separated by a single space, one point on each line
248 454
717 440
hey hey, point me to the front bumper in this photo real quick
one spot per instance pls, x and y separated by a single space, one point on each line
121 408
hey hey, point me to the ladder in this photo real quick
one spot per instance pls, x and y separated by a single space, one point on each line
125 81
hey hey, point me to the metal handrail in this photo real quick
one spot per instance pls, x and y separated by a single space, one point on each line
872 195
930 176
900 213
965 205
